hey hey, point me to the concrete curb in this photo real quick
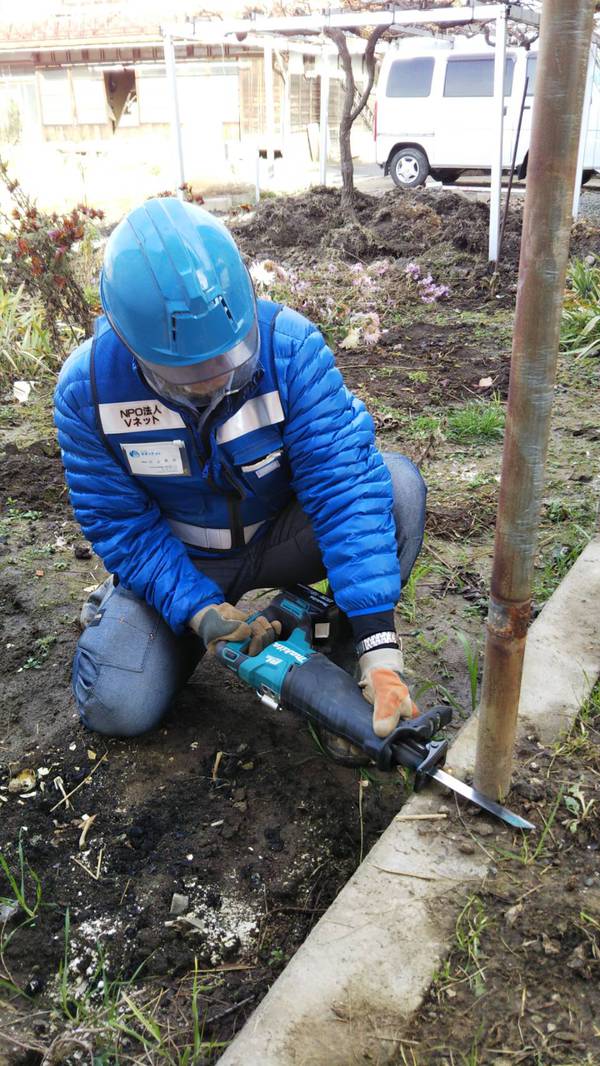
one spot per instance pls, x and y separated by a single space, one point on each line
369 961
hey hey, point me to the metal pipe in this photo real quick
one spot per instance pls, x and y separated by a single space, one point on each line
496 182
169 48
513 167
584 131
565 36
269 106
324 117
346 19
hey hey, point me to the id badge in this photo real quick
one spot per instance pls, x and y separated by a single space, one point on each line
159 459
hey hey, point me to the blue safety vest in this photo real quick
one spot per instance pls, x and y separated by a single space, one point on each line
217 488
150 488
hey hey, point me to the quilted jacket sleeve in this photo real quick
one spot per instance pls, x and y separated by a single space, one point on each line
339 477
122 523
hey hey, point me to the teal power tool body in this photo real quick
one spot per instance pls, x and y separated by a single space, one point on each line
292 673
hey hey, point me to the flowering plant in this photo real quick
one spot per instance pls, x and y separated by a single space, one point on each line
428 291
36 257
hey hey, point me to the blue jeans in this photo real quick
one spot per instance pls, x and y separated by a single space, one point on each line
129 665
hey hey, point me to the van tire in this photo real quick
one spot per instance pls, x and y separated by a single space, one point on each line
409 167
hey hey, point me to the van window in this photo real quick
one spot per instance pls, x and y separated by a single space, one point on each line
475 77
530 75
410 77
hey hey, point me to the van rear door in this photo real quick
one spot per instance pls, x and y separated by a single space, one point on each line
404 112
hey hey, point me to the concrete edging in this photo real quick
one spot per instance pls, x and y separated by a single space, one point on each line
369 961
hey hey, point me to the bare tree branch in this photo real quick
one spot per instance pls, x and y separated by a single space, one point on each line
370 66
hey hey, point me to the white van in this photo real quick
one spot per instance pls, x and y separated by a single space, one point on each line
434 111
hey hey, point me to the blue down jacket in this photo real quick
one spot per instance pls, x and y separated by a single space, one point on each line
151 492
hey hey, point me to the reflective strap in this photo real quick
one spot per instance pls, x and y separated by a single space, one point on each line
208 537
254 414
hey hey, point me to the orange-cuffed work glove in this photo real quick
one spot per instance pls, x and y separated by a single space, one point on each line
222 621
382 685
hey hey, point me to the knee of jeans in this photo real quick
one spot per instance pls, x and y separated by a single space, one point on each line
408 486
107 705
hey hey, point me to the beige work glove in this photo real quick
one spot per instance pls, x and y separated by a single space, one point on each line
221 621
382 685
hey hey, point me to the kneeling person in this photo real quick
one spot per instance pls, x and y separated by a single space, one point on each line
211 447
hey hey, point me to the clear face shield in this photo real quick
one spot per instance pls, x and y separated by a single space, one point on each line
205 384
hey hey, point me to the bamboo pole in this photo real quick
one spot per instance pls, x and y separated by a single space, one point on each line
565 37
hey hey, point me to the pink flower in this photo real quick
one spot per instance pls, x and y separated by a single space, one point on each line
413 270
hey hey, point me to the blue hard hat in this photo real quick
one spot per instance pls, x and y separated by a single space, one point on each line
176 291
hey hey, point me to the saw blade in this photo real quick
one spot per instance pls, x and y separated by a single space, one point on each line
482 801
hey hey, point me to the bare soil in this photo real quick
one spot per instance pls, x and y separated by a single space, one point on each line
233 806
522 982
259 838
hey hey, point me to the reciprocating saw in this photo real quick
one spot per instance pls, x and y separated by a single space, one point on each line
294 673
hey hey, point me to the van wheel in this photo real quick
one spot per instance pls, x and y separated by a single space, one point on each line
409 167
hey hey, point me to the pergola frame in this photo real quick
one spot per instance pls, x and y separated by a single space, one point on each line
244 31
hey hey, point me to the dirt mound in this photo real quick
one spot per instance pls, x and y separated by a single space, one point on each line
442 227
399 224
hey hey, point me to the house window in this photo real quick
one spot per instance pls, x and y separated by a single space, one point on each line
305 100
90 98
55 98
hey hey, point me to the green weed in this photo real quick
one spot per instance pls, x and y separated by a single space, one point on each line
41 651
576 741
316 738
465 962
580 324
472 656
13 512
119 1020
477 420
408 604
25 889
527 855
433 646
581 512
442 692
578 806
559 561
25 348
418 427
470 925
24 883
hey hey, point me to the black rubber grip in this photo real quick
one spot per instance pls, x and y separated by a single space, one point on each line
327 695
